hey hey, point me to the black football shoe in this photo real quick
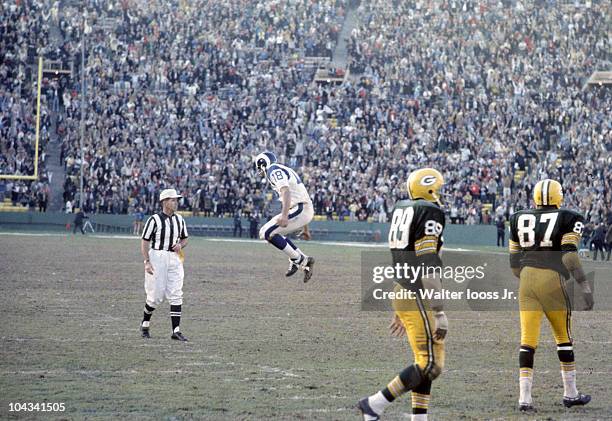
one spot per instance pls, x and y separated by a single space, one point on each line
527 407
308 267
366 411
293 267
178 336
144 332
578 400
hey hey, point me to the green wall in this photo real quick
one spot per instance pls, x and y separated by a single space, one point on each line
322 230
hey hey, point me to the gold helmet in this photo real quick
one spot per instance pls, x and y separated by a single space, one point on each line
425 184
548 193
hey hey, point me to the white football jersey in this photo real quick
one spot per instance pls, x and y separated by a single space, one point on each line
280 176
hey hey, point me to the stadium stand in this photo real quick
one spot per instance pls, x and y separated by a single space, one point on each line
23 37
493 94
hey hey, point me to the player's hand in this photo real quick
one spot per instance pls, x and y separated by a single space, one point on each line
149 268
305 235
587 294
283 221
177 247
441 326
396 327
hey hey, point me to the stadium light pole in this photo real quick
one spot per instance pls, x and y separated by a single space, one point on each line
82 141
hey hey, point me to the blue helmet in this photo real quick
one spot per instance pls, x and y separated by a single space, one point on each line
263 161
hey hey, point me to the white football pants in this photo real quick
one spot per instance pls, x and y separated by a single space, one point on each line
299 216
167 279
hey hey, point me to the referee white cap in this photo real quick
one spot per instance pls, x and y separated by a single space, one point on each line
168 194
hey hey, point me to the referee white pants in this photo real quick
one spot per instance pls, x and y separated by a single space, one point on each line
299 216
167 279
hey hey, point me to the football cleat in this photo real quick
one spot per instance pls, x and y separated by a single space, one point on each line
293 267
366 411
578 400
307 268
144 332
178 336
527 407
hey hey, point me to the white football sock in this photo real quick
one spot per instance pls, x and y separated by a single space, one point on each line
300 260
378 402
419 417
525 384
291 252
569 383
145 323
177 329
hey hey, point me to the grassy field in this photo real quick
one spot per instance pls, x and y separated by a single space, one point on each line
261 346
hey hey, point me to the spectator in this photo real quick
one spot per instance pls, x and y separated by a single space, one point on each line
254 225
599 241
609 241
138 221
237 224
478 92
501 232
24 35
79 220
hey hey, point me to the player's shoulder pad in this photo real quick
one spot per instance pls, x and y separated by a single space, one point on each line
274 167
569 218
402 203
277 166
427 206
518 213
426 209
271 168
571 214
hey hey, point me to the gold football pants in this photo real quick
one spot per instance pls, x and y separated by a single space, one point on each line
419 323
542 291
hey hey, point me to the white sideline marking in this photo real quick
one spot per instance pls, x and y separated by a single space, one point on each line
32 234
237 240
68 234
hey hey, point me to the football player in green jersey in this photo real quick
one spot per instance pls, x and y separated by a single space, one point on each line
543 254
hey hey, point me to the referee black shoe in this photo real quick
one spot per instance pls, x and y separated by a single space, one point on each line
527 407
178 336
308 269
144 331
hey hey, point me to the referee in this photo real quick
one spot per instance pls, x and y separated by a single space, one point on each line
163 240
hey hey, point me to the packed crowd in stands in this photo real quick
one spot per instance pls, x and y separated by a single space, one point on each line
486 89
24 35
490 93
177 102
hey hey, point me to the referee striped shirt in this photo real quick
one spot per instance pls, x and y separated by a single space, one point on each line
164 231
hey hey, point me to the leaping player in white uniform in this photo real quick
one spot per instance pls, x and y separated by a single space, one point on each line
297 212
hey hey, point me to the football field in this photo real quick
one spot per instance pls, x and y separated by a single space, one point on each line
261 346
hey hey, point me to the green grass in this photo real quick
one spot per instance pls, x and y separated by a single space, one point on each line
261 346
